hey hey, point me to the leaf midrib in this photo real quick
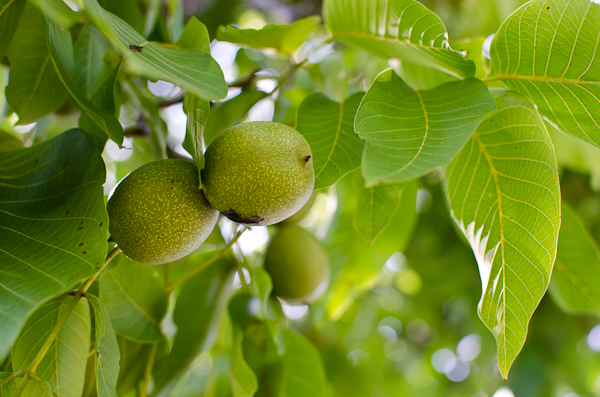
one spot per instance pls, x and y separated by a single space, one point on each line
5 6
546 79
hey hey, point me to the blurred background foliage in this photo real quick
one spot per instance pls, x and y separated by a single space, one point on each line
405 323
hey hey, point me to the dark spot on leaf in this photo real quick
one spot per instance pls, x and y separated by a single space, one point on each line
84 252
101 223
37 160
80 244
81 223
79 274
98 354
491 120
97 267
172 181
252 220
66 212
547 8
70 279
79 227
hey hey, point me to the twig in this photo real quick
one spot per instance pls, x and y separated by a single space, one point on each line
16 375
206 264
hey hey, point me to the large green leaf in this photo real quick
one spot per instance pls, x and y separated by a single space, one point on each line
64 364
576 273
53 225
328 126
199 308
410 133
106 351
192 69
243 380
504 195
548 51
89 53
34 89
135 298
403 29
10 15
284 38
376 208
61 51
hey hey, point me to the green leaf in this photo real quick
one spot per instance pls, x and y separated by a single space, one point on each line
61 50
376 209
361 264
134 296
403 29
548 52
421 78
197 110
299 373
199 308
328 126
284 38
228 113
504 195
191 69
132 364
243 380
34 89
195 35
9 142
53 225
104 100
89 52
263 284
10 15
64 364
410 133
106 355
576 274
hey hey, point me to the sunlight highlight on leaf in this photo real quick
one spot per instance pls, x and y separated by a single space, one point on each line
403 29
504 195
549 51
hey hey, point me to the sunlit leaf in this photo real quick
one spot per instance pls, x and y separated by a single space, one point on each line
284 38
410 133
61 51
106 351
200 305
403 29
548 51
34 89
10 15
53 225
576 273
63 366
191 69
134 296
376 208
328 126
504 195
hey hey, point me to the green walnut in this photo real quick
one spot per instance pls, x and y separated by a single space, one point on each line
258 173
157 213
298 265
